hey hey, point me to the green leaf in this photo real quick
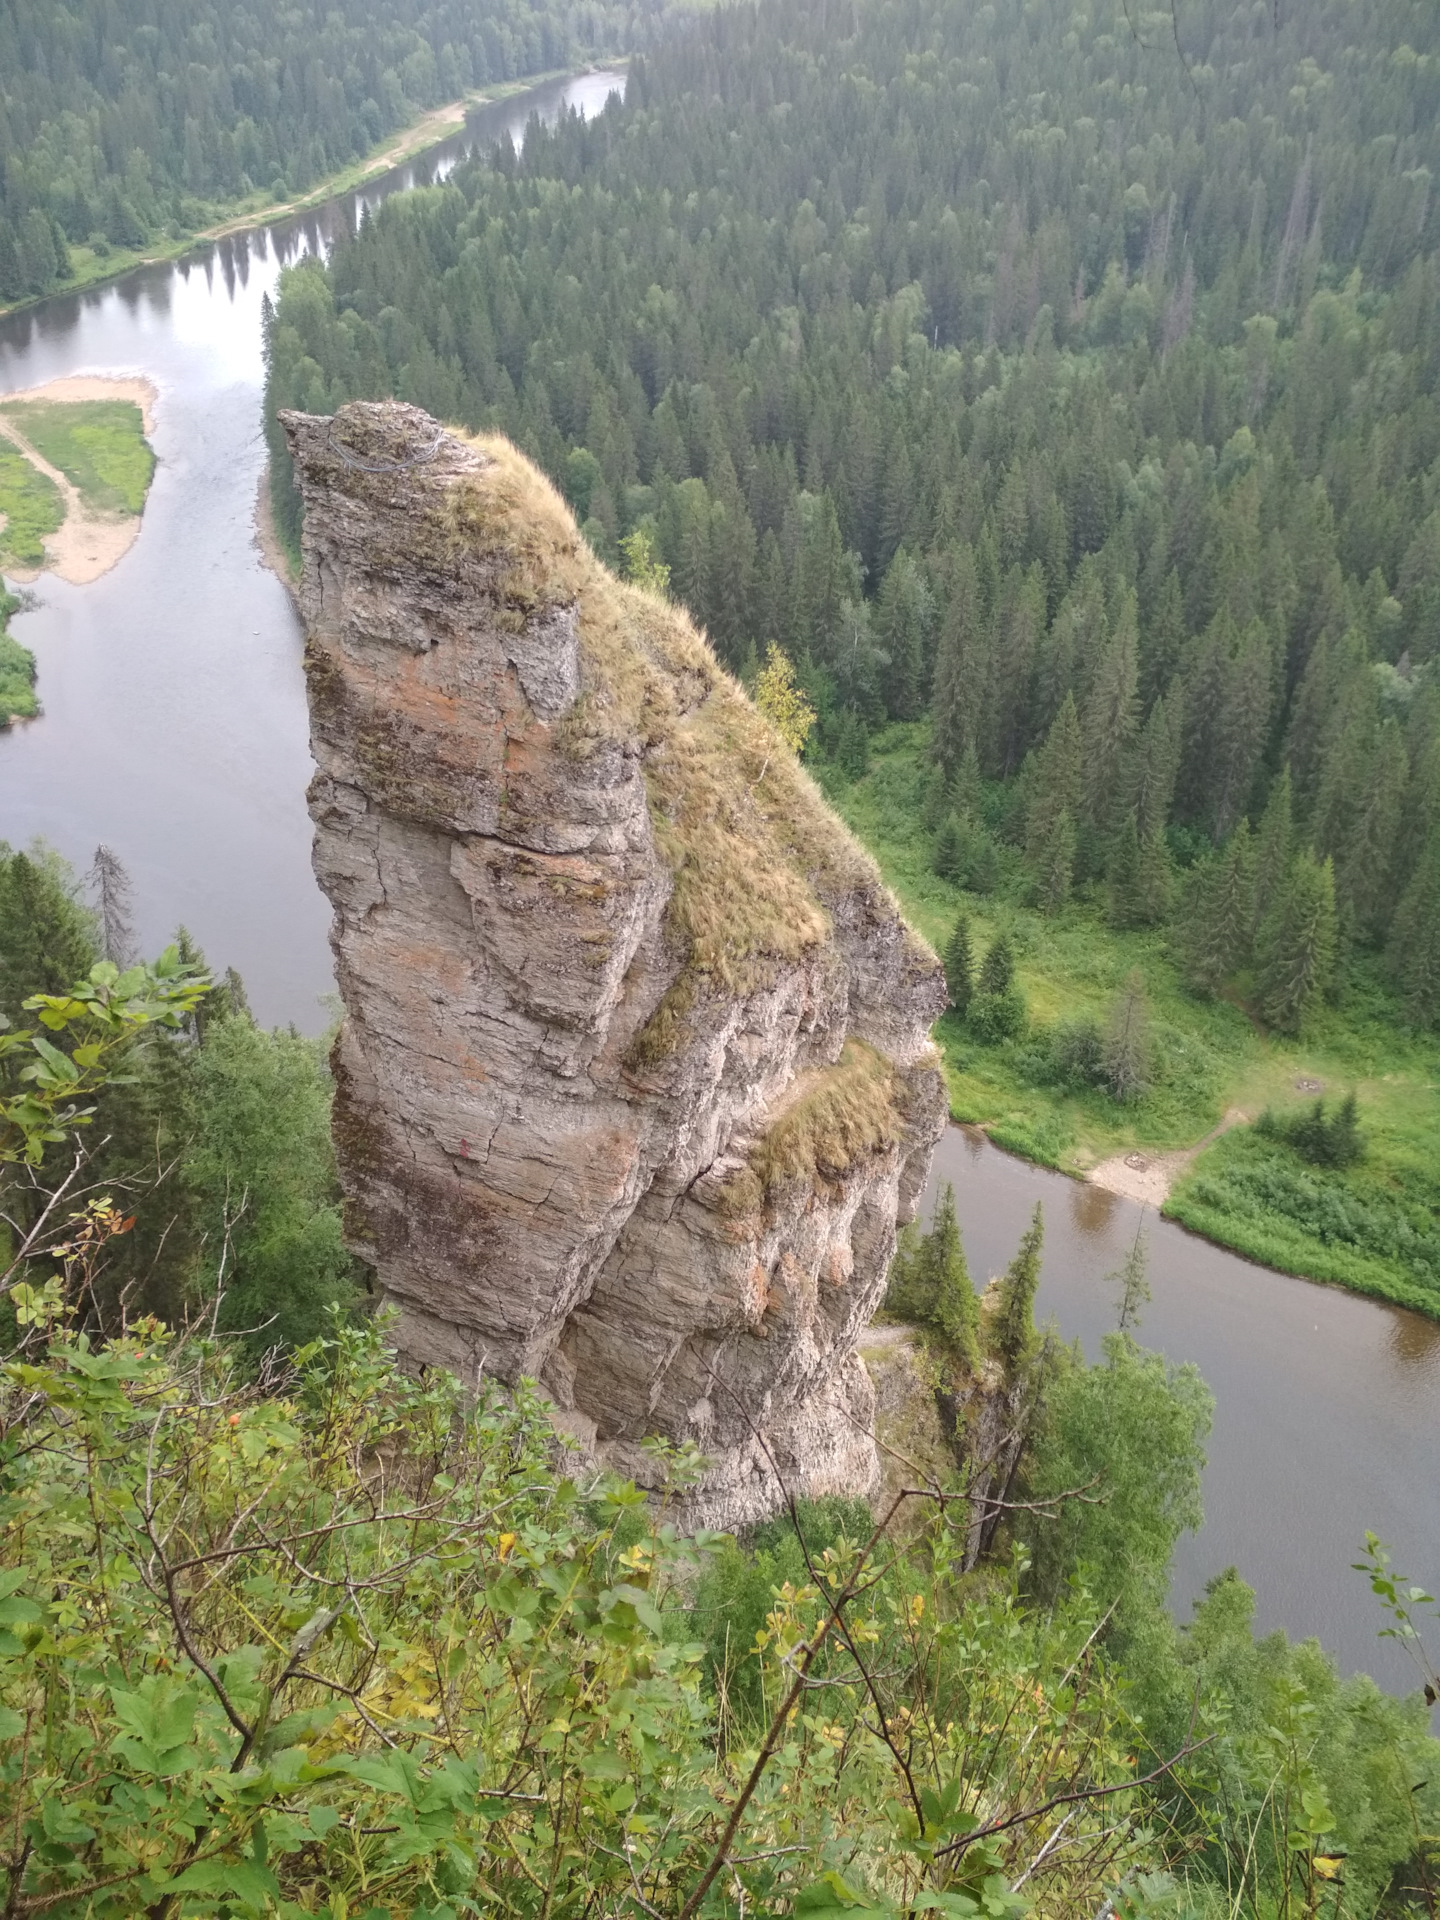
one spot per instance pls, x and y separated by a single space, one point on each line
831 1895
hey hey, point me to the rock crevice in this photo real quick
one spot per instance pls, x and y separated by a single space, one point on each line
635 1076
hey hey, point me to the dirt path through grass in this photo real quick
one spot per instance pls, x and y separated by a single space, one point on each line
1148 1177
89 543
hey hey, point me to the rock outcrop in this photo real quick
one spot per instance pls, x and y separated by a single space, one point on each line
635 1072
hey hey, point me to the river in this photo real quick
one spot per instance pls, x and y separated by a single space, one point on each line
1325 1403
174 730
173 725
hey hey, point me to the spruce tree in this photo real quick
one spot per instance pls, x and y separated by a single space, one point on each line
1057 782
945 858
1125 1051
1164 638
929 1283
1131 1281
997 973
938 804
1140 877
1414 951
1154 879
1274 845
1011 1332
1054 863
955 1313
1295 949
960 966
1366 862
1110 719
48 938
1155 764
110 885
965 786
1216 934
959 660
904 1291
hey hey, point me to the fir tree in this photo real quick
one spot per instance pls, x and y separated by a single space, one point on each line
1011 1332
1295 948
960 966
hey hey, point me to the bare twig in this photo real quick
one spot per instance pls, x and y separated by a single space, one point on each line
967 1840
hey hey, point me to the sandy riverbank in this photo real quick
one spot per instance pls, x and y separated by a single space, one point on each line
89 544
1148 1177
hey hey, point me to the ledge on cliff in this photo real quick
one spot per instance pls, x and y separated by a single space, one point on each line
635 1076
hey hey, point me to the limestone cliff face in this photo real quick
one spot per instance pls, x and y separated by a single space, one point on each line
635 1074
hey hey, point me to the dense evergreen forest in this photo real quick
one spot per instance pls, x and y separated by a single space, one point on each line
1007 367
123 120
1063 401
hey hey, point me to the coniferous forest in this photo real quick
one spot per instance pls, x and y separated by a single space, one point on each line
1059 390
126 120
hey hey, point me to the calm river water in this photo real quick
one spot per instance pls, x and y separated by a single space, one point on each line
1327 1406
174 724
174 730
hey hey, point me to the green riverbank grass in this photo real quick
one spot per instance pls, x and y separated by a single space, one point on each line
17 670
1375 1228
99 445
32 505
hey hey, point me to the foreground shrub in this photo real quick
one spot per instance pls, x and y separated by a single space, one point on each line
349 1646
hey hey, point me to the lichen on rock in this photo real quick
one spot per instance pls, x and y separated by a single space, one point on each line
635 1076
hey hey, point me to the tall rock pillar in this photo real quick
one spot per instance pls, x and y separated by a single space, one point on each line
635 1075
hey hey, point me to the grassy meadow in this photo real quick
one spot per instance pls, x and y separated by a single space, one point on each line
99 445
32 506
1374 1228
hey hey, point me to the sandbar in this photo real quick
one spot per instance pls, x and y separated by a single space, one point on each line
89 543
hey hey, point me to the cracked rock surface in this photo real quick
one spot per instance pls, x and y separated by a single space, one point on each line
635 1077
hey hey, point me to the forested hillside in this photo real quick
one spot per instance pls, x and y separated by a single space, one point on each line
1064 403
124 119
997 365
